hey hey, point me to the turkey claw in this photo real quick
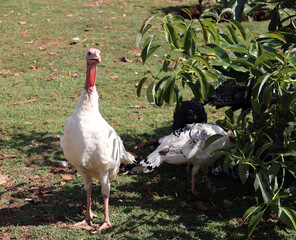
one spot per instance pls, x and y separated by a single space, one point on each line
105 225
85 224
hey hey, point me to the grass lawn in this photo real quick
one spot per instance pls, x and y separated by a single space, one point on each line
42 73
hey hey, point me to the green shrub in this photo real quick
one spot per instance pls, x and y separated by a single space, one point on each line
202 54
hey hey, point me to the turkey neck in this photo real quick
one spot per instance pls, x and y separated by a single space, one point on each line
91 74
88 101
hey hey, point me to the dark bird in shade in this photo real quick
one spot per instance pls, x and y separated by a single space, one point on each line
189 112
232 95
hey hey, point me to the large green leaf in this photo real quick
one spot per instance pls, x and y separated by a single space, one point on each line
238 48
205 32
212 30
253 222
174 37
232 33
166 62
251 211
201 60
273 35
239 9
151 93
260 84
288 216
225 38
169 92
243 170
267 96
187 40
212 139
239 76
229 115
140 85
203 82
210 75
187 11
147 49
265 58
195 90
263 186
144 28
260 50
239 28
219 52
208 14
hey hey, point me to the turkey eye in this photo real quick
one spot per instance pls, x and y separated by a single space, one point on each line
88 53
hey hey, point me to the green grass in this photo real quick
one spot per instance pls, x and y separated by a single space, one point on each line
41 77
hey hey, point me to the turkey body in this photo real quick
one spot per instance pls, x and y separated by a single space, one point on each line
187 145
90 143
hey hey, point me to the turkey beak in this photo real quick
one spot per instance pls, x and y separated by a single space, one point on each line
231 136
99 59
96 60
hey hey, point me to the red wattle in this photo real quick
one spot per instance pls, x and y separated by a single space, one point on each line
90 81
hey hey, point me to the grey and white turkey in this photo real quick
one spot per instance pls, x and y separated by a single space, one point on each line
91 144
187 145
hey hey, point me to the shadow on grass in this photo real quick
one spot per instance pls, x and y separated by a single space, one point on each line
154 206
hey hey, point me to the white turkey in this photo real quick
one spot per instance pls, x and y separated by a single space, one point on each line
187 145
91 144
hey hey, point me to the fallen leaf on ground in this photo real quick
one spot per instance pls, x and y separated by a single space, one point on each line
213 204
2 156
27 101
5 73
63 182
114 77
138 106
201 206
37 200
227 203
182 226
22 23
124 59
49 79
149 142
66 177
150 194
3 179
34 68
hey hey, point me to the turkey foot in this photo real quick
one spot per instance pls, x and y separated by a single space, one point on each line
87 222
105 225
194 192
84 224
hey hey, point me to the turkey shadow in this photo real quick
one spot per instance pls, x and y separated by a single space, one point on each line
160 198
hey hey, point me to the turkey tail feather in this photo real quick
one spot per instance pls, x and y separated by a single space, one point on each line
130 159
151 162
